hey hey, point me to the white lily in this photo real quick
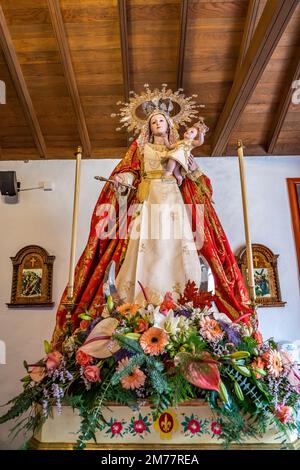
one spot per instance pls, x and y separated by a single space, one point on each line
149 312
168 322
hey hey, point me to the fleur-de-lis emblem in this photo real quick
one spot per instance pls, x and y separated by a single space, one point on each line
166 422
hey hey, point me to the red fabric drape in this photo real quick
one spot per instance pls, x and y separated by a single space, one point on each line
232 297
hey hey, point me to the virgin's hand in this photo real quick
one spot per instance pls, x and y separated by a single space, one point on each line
117 182
191 163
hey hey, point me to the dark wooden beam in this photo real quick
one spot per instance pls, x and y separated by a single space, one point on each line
20 85
124 47
59 153
283 107
249 29
270 28
63 46
182 40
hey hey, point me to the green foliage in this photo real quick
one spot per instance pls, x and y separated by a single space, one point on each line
134 361
244 406
248 344
91 416
159 404
181 390
20 404
47 347
196 343
129 344
121 395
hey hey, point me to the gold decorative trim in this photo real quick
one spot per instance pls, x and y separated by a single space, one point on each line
266 261
35 444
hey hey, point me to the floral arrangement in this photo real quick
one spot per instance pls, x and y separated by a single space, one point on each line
164 355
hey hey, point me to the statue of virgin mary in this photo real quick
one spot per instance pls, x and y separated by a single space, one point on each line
155 231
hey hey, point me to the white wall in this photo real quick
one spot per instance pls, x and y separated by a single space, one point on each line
44 218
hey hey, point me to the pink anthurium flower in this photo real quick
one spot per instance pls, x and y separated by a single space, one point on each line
99 343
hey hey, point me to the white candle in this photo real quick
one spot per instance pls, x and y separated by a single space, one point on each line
74 225
250 273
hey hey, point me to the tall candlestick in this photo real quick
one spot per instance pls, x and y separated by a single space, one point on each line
74 225
250 271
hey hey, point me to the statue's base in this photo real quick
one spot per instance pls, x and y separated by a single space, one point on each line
189 426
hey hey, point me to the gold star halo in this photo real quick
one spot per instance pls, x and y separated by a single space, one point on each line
180 108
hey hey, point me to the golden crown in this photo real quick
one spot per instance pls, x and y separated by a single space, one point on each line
180 108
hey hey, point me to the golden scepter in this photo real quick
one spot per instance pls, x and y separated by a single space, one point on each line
250 271
101 178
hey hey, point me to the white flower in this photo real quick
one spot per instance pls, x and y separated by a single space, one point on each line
245 330
148 312
184 324
168 322
69 346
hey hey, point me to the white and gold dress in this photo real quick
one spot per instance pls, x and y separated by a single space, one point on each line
161 252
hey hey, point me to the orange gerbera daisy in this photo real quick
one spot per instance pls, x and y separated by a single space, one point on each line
154 341
134 380
258 364
128 310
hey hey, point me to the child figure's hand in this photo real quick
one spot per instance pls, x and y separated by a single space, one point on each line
166 141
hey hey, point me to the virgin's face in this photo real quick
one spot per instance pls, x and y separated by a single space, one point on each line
158 125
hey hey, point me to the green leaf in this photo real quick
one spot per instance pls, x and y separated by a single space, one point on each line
242 370
239 355
238 391
134 336
84 316
110 303
47 347
223 392
260 371
26 379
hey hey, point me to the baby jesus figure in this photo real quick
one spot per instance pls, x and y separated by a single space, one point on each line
178 162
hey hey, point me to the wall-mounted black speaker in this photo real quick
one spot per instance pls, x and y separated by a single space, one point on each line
8 183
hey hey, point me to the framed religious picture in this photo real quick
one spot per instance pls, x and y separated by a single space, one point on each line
294 196
32 278
266 279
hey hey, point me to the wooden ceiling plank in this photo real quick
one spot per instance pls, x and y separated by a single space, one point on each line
20 85
283 108
249 29
270 28
182 41
124 47
62 41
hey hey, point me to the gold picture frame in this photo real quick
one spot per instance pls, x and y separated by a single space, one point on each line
32 278
266 279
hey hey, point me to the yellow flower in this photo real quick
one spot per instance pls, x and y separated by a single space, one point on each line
128 310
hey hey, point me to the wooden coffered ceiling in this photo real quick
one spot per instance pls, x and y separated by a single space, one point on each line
66 63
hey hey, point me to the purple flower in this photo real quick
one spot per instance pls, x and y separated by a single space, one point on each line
232 334
185 312
92 324
122 353
45 408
